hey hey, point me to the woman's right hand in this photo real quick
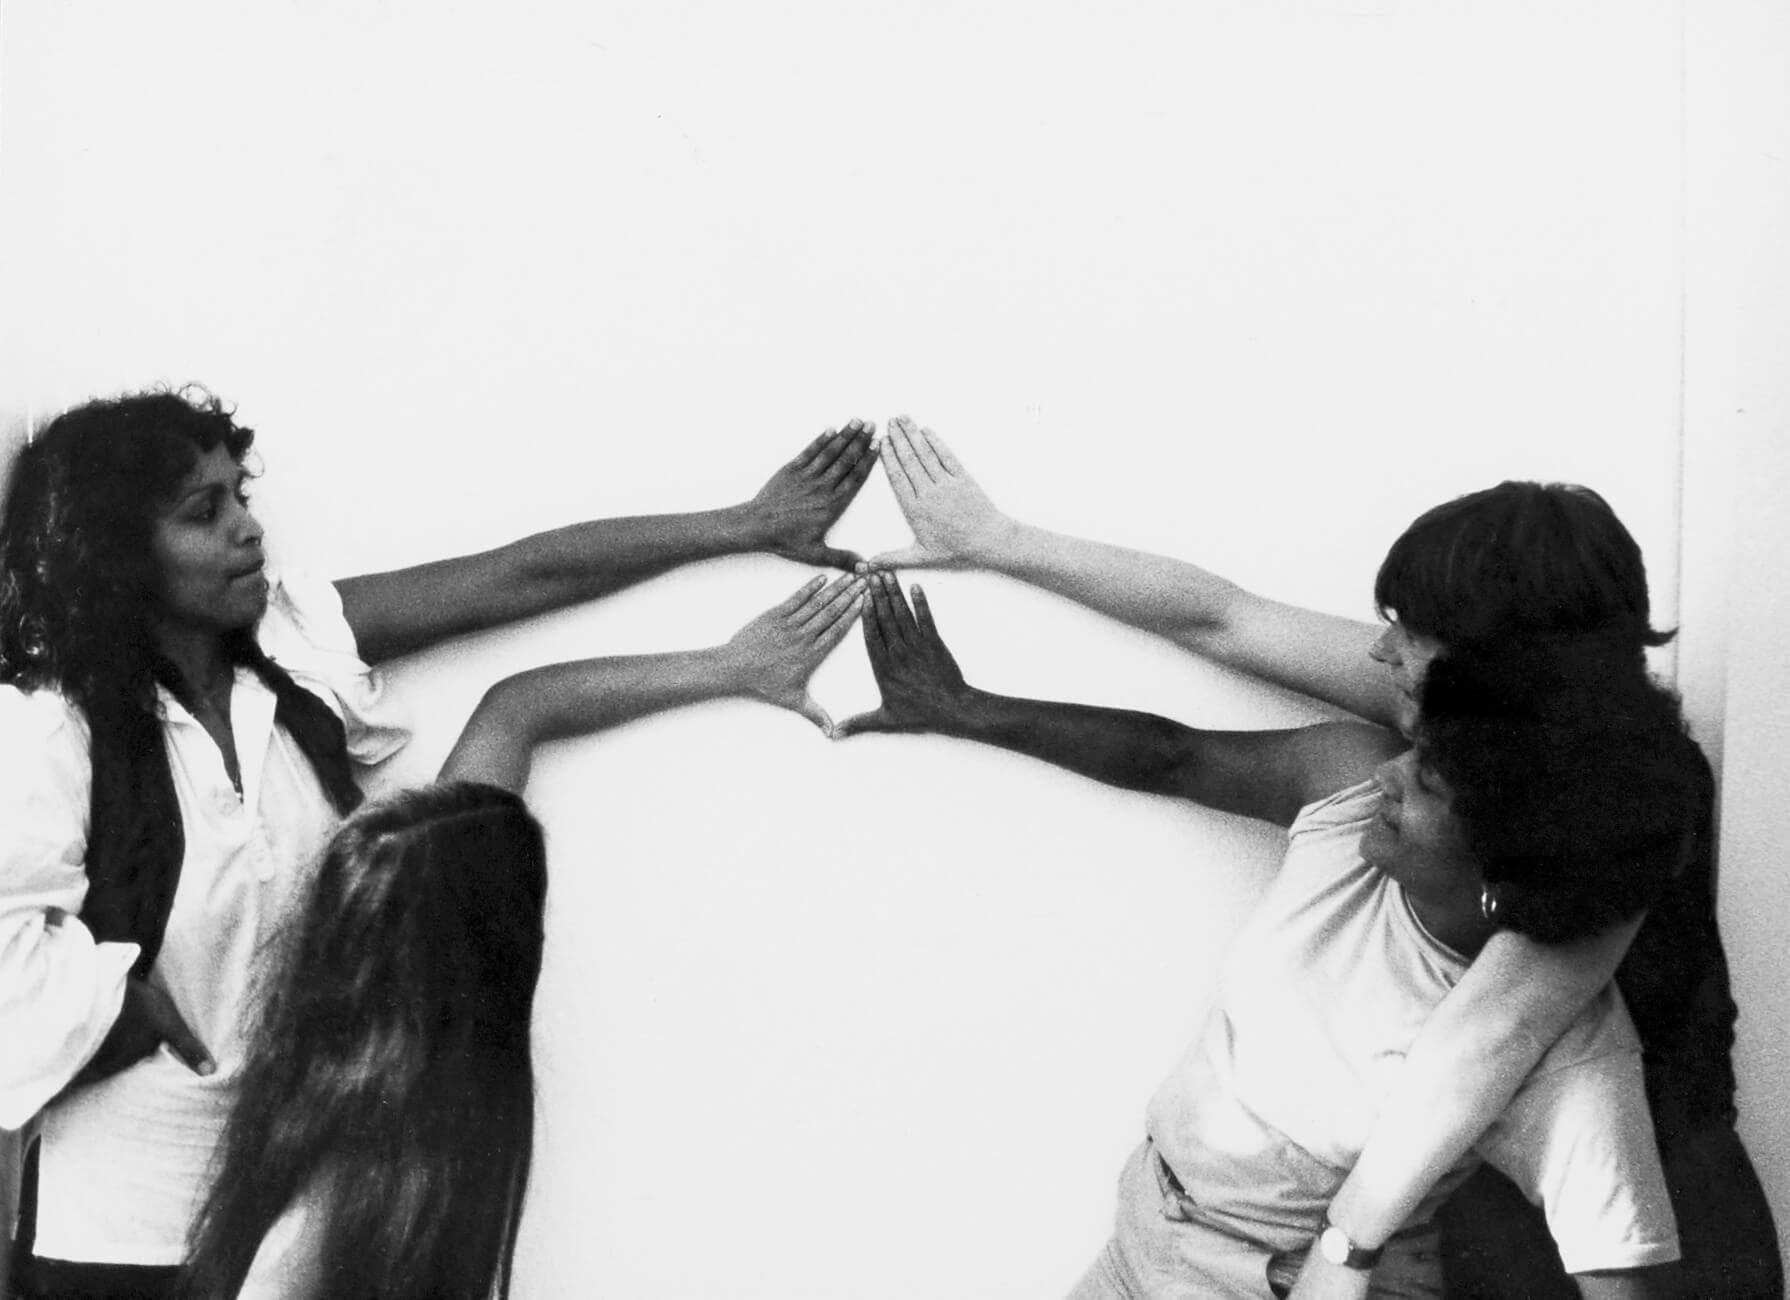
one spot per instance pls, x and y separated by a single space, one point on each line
955 524
147 1019
775 654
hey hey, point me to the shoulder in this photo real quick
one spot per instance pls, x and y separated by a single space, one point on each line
305 632
40 727
304 612
1335 756
289 1263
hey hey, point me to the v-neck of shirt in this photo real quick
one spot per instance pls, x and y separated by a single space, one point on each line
252 707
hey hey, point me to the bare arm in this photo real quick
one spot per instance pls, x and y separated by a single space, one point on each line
410 609
1629 1284
1268 775
770 659
1475 1051
956 526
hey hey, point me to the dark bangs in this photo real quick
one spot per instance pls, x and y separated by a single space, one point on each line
1519 558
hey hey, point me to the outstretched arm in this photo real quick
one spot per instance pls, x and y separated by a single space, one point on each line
770 659
956 526
410 609
1268 775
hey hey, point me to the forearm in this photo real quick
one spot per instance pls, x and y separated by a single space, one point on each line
1630 1284
1155 593
1475 1051
1120 747
567 699
61 994
405 610
582 561
1315 654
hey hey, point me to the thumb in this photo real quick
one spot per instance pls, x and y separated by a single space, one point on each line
833 558
908 557
806 705
877 720
185 1044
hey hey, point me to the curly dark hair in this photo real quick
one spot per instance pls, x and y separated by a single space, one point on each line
1580 792
390 1071
1518 558
78 582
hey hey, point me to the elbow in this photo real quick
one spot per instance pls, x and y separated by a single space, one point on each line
1167 762
507 709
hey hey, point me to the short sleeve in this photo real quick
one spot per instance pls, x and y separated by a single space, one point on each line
60 991
305 632
1578 1140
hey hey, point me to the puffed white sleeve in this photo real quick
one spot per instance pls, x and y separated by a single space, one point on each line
305 632
60 991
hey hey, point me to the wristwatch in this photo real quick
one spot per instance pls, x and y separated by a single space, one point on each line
1335 1246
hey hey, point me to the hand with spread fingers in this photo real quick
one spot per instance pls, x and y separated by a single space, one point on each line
804 499
955 524
922 687
776 653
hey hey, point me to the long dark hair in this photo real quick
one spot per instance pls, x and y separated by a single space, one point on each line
79 588
390 1073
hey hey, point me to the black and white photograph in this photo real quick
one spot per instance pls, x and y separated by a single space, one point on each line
975 651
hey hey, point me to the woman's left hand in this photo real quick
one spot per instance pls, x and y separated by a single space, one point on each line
776 653
793 512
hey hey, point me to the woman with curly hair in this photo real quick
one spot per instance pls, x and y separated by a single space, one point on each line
182 729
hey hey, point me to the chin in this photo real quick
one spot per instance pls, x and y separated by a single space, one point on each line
245 617
1375 846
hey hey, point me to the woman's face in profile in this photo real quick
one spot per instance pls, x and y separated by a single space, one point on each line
207 548
1416 838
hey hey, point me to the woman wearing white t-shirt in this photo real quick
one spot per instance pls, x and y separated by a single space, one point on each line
179 732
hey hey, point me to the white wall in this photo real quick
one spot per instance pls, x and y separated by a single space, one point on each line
1248 284
1736 554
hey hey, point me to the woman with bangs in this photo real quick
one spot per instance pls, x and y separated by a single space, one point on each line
1520 558
182 731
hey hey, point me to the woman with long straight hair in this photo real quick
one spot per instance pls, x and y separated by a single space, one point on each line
380 1142
381 1138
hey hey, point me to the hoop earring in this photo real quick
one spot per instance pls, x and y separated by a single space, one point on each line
1489 902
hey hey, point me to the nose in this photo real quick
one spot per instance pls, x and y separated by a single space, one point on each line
248 528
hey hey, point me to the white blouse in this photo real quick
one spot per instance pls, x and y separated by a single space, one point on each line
124 1161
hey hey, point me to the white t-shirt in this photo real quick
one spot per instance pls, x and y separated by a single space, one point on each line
1321 996
124 1162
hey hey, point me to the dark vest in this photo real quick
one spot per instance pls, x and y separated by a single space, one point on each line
135 841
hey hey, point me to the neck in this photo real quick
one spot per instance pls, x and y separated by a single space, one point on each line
1457 922
197 655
